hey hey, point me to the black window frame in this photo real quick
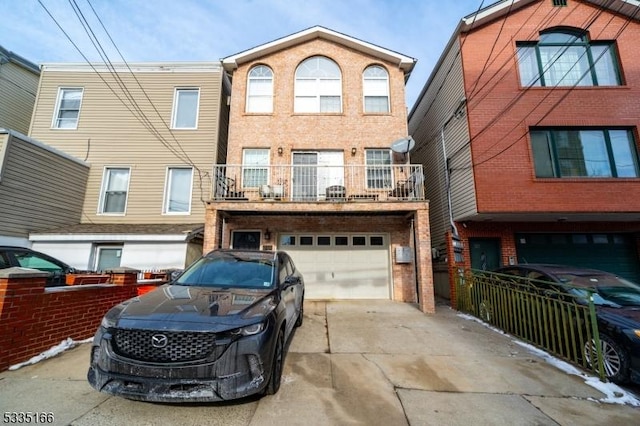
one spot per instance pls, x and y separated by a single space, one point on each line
547 157
581 40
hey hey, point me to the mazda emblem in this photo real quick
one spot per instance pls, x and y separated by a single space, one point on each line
159 340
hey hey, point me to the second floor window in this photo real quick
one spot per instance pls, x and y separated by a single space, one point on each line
255 167
260 90
375 87
185 109
608 153
177 198
318 86
67 108
378 168
115 186
567 58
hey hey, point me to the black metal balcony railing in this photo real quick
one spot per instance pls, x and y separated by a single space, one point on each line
311 183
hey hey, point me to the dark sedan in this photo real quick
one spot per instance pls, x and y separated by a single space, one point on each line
617 303
27 258
215 333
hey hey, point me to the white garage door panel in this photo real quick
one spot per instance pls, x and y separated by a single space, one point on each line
344 272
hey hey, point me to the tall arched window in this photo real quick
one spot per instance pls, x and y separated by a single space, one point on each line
567 58
260 89
318 86
375 88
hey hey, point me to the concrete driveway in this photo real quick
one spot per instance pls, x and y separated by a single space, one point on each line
352 363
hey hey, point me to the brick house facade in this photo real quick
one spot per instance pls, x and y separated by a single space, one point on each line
541 156
304 180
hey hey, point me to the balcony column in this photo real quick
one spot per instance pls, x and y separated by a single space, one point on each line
426 297
212 228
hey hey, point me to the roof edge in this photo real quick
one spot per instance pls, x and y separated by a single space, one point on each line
406 63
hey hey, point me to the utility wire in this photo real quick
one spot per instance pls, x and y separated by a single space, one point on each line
140 114
201 175
560 100
436 133
590 20
160 116
99 74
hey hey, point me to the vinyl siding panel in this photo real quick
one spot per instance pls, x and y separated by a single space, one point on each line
115 131
433 112
17 93
39 189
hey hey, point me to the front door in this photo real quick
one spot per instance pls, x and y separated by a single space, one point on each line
246 240
485 253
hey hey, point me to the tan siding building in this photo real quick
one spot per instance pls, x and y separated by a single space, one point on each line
18 85
40 188
151 133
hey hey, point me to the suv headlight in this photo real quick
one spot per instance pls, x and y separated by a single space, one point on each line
108 322
248 330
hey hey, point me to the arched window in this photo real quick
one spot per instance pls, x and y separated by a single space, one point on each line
375 88
318 86
567 58
260 89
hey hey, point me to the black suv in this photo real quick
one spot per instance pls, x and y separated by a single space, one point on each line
219 331
27 258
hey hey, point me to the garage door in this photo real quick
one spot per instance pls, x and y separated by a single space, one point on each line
615 253
341 266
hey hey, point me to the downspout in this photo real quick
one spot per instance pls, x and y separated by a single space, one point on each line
458 112
447 182
415 260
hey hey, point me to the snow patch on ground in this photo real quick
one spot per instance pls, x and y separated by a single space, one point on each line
614 393
55 350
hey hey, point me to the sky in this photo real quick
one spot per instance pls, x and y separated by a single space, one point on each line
208 30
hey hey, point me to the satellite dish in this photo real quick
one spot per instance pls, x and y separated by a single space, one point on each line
401 149
404 145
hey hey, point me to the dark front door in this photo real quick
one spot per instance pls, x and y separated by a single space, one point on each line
246 240
485 253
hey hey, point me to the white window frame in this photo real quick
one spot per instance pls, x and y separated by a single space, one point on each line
385 171
176 106
168 187
249 166
98 251
103 190
371 89
254 108
316 86
55 122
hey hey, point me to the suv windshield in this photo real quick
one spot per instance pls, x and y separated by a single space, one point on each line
229 271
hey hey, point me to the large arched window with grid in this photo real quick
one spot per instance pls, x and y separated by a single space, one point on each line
318 86
566 57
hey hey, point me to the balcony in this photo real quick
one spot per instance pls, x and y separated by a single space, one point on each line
318 183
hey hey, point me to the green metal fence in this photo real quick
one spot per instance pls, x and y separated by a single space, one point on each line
536 312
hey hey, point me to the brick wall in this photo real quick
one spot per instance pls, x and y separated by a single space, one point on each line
33 319
284 128
503 164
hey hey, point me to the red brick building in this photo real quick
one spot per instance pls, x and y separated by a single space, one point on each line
309 167
529 123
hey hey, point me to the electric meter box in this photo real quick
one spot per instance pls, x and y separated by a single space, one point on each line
403 254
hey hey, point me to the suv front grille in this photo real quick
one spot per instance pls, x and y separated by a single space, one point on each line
149 345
